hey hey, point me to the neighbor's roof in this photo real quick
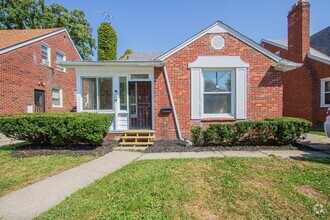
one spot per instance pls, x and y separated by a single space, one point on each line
10 38
14 39
145 56
313 52
321 41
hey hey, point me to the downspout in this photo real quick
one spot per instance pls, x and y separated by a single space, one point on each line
172 103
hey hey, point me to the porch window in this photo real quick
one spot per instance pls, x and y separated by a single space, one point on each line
139 76
217 94
325 92
97 93
123 93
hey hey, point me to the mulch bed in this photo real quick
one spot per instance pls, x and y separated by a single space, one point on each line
29 150
179 146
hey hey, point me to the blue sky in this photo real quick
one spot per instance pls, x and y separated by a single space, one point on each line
157 26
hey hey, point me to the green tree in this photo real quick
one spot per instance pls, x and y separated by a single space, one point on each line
107 42
127 52
29 14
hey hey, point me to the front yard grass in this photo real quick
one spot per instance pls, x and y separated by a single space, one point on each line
226 188
16 173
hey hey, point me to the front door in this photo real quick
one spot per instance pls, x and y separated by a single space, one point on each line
39 101
140 105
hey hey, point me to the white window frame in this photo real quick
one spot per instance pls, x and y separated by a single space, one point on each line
59 68
97 94
323 92
48 61
61 97
232 92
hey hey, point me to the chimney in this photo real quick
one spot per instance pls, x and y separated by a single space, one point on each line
299 31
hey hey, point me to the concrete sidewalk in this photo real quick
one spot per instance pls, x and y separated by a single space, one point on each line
7 141
320 143
32 200
262 153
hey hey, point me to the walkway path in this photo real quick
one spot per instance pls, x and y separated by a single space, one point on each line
32 200
321 143
7 141
263 153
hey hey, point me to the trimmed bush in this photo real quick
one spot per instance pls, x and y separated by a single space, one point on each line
57 129
271 131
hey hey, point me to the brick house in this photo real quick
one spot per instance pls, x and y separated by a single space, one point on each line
30 80
306 89
217 75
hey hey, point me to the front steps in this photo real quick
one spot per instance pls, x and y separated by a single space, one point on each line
137 138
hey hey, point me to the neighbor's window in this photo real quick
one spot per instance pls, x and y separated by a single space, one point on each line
57 97
326 93
217 92
45 54
105 93
123 93
60 57
89 93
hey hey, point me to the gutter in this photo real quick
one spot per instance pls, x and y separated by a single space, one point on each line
73 64
285 65
172 104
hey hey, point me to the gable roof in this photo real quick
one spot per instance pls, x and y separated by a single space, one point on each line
220 27
313 53
14 39
321 41
145 56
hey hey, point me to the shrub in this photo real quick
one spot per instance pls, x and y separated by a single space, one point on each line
57 129
272 131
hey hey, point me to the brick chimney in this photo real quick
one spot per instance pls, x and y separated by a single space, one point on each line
299 31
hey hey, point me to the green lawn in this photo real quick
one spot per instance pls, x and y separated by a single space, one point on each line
226 188
19 172
321 133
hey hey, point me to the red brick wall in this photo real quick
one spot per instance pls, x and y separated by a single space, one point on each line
299 32
265 86
275 49
21 72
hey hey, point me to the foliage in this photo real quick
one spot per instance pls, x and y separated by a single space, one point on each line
31 14
272 131
57 129
127 52
107 42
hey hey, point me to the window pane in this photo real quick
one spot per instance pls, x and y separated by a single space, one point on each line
89 94
327 86
56 102
56 93
217 103
105 93
123 93
327 99
217 81
139 76
59 56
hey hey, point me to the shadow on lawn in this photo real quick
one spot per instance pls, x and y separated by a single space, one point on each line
313 160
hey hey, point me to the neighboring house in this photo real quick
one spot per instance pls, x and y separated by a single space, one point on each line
306 89
218 75
30 79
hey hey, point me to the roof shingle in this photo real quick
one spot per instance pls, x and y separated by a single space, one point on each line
10 38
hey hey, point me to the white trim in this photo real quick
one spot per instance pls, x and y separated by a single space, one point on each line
226 29
274 44
313 57
112 63
61 97
218 62
322 95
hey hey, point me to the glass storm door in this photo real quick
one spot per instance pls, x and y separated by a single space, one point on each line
39 101
140 105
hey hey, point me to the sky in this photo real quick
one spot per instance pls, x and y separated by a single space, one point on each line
158 26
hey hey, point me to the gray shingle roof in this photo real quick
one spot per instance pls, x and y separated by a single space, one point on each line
321 41
313 51
149 56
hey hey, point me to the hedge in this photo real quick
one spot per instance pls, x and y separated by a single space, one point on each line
57 129
271 131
